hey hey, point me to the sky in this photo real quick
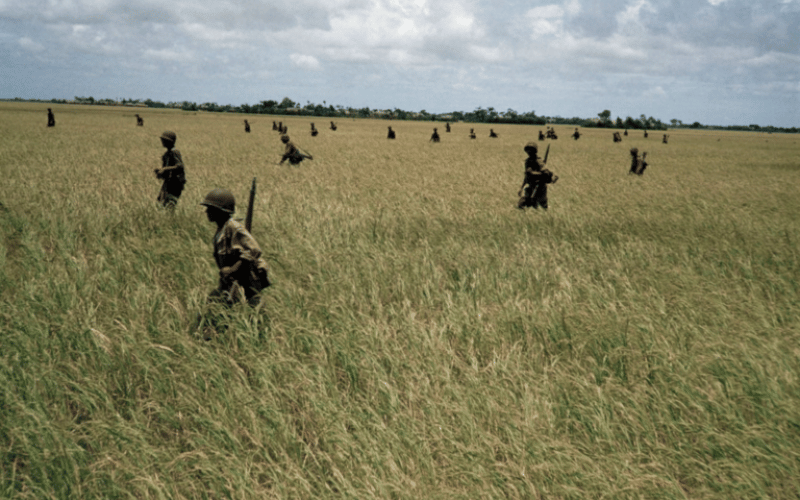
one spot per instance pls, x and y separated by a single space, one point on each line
718 62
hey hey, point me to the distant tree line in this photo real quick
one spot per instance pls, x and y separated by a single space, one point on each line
480 115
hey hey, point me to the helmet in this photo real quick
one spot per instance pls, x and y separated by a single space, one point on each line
170 136
221 199
284 138
531 145
634 151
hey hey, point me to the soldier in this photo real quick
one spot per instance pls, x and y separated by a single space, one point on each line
447 127
664 140
637 164
274 126
243 272
576 135
533 191
472 133
246 127
314 131
172 171
391 134
492 134
139 121
617 137
434 136
333 126
541 136
51 119
291 152
645 133
626 133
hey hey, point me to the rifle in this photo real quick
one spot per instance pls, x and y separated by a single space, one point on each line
248 220
545 154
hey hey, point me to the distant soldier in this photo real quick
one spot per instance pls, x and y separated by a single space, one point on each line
551 133
435 136
283 129
171 171
391 134
51 119
541 136
492 134
533 191
664 140
139 121
645 133
626 133
246 127
576 135
617 137
447 127
274 126
472 133
314 131
243 272
333 126
637 164
291 152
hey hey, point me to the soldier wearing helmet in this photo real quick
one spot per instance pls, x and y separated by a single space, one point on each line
242 270
291 152
533 191
435 136
51 119
637 164
171 171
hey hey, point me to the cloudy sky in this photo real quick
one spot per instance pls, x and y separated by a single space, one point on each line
719 62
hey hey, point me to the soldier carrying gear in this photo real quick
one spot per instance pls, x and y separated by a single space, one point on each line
246 127
576 135
617 137
638 165
533 191
333 126
314 131
491 133
472 133
291 152
139 121
274 126
172 172
51 119
243 273
664 140
447 127
434 136
391 134
541 136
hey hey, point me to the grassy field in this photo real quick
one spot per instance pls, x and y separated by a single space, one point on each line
423 337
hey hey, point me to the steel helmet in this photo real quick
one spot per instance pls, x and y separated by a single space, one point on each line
284 138
531 145
170 136
221 199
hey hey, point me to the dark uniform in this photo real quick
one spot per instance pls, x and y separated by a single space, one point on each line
664 140
291 152
246 127
533 192
447 127
333 126
617 137
391 134
274 126
472 133
435 136
171 171
491 133
541 136
638 165
139 121
576 135
51 119
314 131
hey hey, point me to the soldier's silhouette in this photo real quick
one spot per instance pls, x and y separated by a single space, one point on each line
246 127
51 119
139 121
435 136
391 134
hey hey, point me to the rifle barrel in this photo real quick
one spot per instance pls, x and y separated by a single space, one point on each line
248 221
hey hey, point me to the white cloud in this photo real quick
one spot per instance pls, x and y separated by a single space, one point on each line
29 45
304 61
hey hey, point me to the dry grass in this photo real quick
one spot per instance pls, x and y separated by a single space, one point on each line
424 338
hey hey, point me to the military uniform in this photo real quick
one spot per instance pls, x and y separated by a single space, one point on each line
51 119
491 133
534 186
172 172
234 243
638 164
435 136
291 152
391 134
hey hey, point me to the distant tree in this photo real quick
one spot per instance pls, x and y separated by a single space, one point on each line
287 103
619 123
605 117
695 125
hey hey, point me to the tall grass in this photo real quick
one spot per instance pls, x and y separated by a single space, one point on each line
423 337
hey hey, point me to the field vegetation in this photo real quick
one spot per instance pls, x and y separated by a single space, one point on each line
423 337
